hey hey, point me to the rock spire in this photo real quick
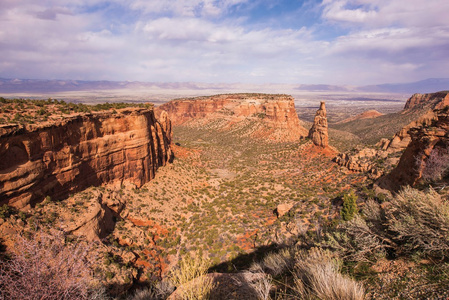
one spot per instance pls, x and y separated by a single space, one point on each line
318 133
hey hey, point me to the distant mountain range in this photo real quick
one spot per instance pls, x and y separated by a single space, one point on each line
50 86
429 85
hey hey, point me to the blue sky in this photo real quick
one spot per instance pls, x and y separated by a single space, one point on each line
352 42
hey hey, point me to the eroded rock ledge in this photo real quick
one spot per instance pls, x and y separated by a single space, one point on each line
55 159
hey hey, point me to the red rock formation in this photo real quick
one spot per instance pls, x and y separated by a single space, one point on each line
402 138
369 114
361 161
318 133
81 151
434 100
276 112
424 139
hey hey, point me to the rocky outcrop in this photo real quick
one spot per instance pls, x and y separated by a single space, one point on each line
426 139
318 133
272 116
433 100
361 161
283 208
402 138
63 157
97 223
365 160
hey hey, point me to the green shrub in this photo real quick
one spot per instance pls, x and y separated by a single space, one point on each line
349 208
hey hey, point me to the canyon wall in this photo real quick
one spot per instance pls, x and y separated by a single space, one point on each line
55 159
276 112
427 139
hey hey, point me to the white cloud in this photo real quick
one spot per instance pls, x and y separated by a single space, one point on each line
338 11
198 40
185 8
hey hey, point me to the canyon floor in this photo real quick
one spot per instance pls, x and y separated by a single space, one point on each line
231 198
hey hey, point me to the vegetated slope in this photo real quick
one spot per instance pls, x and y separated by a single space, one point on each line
372 130
217 198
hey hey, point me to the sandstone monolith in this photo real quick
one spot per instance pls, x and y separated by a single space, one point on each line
318 133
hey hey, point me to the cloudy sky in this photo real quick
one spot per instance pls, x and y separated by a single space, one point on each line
227 41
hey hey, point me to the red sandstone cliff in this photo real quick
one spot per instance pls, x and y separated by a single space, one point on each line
426 138
79 151
275 114
434 100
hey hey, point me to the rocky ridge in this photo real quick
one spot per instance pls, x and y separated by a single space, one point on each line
436 100
364 159
272 117
88 149
427 139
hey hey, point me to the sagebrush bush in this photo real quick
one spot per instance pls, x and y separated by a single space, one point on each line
262 283
317 276
44 267
420 221
436 166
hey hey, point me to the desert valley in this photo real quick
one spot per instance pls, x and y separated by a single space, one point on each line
230 196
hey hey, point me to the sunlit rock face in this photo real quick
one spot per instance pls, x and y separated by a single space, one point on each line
55 159
318 133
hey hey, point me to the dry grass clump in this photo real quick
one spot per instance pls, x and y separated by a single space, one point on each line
276 263
45 267
190 278
159 291
317 276
420 221
262 283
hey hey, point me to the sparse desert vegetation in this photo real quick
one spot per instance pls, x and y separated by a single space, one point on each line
238 217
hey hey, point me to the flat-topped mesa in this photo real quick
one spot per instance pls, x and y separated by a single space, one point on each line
89 149
318 133
273 116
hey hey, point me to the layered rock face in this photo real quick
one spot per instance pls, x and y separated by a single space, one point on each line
276 112
84 150
318 133
434 100
425 139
